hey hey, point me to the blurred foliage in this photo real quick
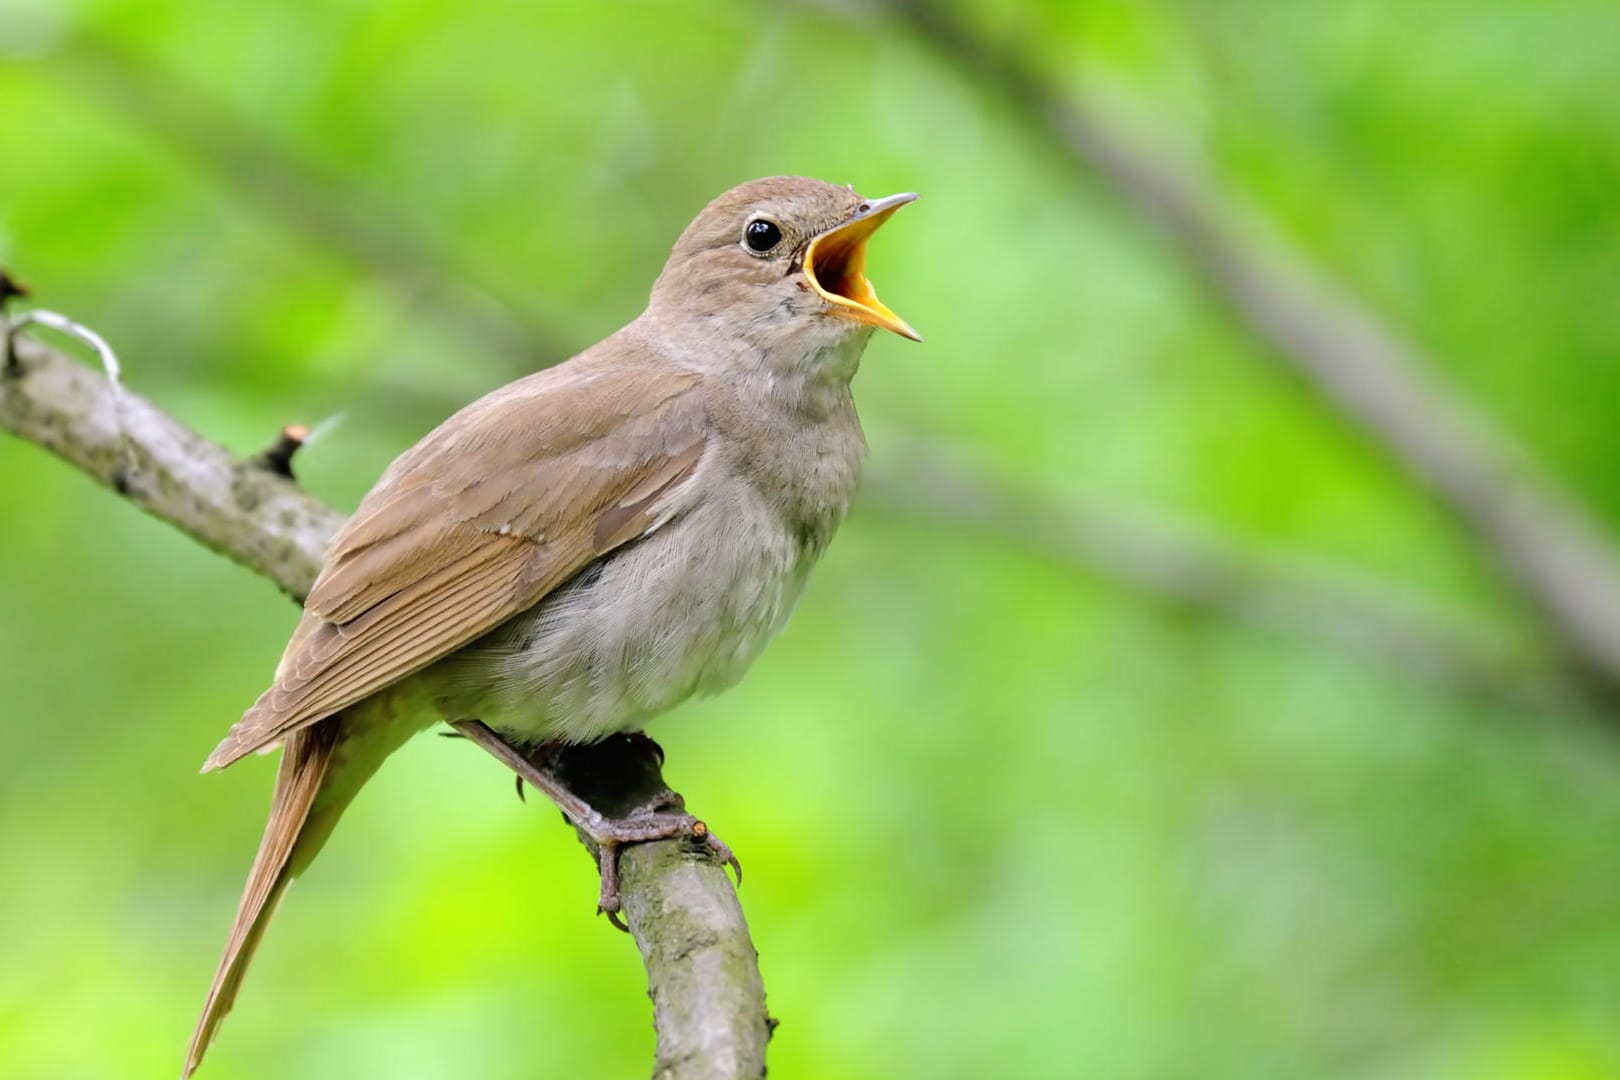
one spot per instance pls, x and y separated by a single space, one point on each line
1000 817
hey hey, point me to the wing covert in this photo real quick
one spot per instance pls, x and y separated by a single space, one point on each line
477 523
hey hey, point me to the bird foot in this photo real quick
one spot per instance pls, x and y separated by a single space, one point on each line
613 835
621 776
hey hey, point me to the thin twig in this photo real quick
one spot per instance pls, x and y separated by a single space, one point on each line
109 364
10 289
702 971
278 456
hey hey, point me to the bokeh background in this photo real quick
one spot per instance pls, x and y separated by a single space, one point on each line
1149 718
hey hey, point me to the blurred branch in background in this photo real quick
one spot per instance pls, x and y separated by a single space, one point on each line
314 203
702 970
1549 545
1202 574
1190 569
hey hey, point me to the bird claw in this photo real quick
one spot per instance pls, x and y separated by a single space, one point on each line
719 847
612 837
660 817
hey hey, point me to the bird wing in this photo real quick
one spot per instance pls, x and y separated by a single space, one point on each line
476 523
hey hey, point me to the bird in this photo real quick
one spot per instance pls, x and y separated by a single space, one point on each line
588 546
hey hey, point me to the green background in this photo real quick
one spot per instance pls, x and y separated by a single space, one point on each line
1002 813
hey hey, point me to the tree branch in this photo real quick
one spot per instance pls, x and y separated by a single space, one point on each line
1559 557
702 970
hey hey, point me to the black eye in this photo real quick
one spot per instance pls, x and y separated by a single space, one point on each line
761 235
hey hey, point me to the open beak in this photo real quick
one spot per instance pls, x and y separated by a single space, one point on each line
835 263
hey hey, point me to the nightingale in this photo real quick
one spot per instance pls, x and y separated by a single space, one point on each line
584 548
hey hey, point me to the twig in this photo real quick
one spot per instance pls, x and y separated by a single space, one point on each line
1550 546
709 1004
109 364
59 322
245 513
10 288
278 456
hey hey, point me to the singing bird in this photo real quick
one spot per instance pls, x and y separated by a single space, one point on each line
584 548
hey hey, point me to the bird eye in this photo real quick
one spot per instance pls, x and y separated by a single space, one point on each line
761 235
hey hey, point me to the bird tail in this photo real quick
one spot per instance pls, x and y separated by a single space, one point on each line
291 839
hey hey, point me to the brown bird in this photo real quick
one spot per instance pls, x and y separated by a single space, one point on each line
584 548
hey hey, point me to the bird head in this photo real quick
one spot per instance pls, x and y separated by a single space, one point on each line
783 258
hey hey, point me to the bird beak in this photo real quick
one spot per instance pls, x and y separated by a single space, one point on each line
835 264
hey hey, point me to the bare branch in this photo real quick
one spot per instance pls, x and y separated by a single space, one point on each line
1550 546
126 443
278 456
702 971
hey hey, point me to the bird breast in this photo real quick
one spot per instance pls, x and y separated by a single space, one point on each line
680 612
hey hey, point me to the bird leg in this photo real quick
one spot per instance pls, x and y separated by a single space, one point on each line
613 792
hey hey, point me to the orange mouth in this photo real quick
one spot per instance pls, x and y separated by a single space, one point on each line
835 264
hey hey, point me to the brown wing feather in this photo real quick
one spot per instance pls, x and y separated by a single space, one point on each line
633 514
340 663
476 523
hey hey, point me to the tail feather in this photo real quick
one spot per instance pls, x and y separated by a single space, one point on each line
305 757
